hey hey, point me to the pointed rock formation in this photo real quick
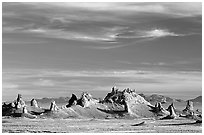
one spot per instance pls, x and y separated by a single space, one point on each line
171 105
53 106
127 102
19 102
86 100
72 101
157 105
25 110
34 103
172 114
110 97
189 107
159 110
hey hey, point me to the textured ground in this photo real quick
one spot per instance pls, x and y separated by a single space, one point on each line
23 125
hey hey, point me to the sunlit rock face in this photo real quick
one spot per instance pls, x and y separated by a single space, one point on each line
132 103
86 100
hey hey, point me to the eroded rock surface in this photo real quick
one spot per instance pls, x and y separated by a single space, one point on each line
53 106
189 107
86 100
34 103
72 101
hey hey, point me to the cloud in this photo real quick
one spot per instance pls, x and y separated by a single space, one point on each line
8 85
95 22
156 33
44 82
31 74
175 8
153 33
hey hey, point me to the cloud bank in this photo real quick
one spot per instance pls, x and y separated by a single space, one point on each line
95 22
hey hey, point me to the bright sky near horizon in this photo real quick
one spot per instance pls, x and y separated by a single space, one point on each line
56 49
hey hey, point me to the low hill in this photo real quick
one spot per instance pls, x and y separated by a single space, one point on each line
48 100
160 98
197 99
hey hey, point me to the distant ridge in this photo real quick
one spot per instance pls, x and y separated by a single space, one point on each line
57 100
160 98
151 98
197 99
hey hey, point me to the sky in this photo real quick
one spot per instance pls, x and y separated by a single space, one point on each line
56 49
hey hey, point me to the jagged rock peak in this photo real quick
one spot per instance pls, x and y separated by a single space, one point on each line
72 101
116 96
34 103
171 105
172 112
19 102
86 100
53 106
189 107
131 95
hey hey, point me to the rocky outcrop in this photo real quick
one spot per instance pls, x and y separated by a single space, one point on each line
34 103
72 101
117 104
8 109
113 96
53 106
19 102
171 105
26 114
189 107
172 114
126 101
86 100
14 107
159 110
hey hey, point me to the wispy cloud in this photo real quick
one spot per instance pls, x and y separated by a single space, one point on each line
95 22
7 85
44 82
184 9
152 33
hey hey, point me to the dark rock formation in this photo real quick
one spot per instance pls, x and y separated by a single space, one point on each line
171 105
34 103
72 101
159 110
14 107
53 106
189 107
112 96
172 114
8 109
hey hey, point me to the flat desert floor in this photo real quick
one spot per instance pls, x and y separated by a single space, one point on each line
24 125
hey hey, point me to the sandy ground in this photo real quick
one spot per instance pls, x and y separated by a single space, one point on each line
24 125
